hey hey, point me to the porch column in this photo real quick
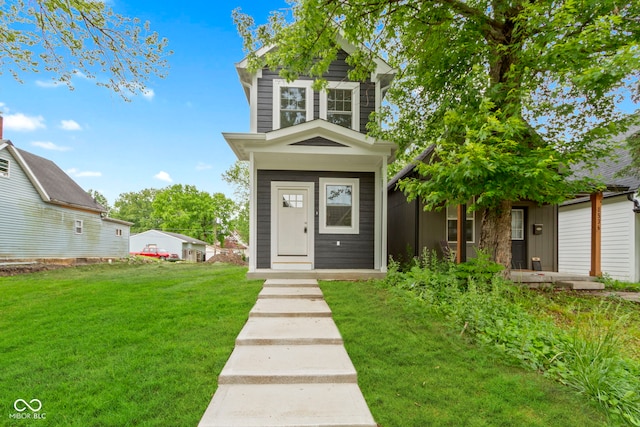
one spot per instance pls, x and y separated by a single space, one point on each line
461 253
596 234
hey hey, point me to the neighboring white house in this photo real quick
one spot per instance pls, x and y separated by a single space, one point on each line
620 233
44 214
187 248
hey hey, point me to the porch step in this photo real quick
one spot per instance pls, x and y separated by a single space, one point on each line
290 292
289 331
582 285
292 364
290 307
300 283
280 405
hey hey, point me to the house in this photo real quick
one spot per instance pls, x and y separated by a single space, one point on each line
232 245
411 229
618 255
317 180
187 248
46 215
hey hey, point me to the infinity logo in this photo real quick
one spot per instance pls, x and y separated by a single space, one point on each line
21 405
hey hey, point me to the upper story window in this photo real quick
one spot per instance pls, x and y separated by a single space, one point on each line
340 104
4 167
78 226
292 103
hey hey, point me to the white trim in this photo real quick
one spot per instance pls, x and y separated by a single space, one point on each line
253 105
281 83
76 227
253 219
454 217
293 262
381 216
355 101
323 228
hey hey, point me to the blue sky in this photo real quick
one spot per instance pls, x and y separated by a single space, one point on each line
171 137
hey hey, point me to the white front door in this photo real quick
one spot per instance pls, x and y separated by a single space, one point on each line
292 225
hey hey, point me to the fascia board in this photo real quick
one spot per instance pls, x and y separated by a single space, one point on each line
32 177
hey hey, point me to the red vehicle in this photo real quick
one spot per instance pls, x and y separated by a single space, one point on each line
154 252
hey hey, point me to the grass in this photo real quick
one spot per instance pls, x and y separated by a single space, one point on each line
118 345
414 370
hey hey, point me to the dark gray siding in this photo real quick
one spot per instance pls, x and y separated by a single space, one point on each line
355 250
337 72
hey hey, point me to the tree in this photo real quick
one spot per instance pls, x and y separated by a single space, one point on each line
69 37
238 176
100 198
186 210
137 207
513 93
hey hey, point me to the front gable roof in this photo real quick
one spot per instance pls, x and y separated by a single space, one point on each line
383 73
53 185
316 137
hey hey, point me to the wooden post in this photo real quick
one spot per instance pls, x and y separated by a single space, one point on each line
596 234
461 253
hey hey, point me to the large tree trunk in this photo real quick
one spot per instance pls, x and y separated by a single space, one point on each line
495 234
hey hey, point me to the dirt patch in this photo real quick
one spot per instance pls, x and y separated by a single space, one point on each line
13 270
228 259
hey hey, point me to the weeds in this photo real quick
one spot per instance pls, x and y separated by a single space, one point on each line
491 310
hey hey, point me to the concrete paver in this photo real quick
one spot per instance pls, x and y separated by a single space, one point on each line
290 307
286 364
289 331
290 292
275 405
289 367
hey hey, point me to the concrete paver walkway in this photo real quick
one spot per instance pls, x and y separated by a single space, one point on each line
289 367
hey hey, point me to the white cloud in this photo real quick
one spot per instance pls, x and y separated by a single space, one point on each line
4 108
148 94
49 84
203 166
81 174
23 123
48 145
163 176
70 125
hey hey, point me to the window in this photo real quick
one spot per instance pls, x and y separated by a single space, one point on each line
4 167
292 201
292 103
339 206
119 232
452 225
517 224
340 104
78 226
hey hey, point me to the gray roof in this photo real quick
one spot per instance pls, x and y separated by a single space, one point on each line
609 168
58 185
187 239
391 185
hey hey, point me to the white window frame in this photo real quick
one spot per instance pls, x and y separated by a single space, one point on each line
452 215
355 206
522 229
280 83
6 173
118 232
355 101
78 226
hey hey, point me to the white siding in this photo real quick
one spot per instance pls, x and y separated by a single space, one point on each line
31 228
619 239
170 244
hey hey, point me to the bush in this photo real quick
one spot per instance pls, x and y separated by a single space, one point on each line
489 309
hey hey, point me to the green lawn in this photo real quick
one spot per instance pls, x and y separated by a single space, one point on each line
117 345
414 371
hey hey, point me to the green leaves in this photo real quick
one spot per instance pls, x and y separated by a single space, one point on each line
66 37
